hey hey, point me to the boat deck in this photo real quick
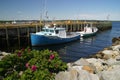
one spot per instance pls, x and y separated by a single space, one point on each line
72 34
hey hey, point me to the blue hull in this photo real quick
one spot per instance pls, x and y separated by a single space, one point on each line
39 40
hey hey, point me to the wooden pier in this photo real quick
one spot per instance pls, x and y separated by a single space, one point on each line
16 32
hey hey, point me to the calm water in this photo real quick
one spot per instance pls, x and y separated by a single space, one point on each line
85 47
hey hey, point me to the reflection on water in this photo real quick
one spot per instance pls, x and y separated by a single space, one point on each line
74 50
71 51
85 46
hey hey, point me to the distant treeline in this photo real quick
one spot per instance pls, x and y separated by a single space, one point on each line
36 21
3 22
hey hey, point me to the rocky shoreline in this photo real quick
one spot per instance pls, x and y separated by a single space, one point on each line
105 65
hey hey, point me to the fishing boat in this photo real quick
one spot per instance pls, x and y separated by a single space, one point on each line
52 35
88 31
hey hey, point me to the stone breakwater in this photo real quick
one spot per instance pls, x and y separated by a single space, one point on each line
105 65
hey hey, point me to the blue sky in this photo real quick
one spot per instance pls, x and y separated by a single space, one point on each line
60 9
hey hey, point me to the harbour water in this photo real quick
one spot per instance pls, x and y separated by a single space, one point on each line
86 47
73 51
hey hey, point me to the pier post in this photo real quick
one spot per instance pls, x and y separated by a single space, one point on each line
6 29
18 34
66 27
36 28
28 34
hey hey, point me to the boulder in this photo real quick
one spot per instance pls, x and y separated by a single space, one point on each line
99 64
110 54
75 75
81 62
67 75
116 48
116 40
88 68
113 74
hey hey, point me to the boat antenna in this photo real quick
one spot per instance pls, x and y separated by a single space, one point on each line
45 12
108 17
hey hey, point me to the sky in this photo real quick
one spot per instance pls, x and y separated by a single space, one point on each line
60 9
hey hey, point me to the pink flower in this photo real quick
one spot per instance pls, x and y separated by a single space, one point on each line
27 65
52 56
19 54
33 68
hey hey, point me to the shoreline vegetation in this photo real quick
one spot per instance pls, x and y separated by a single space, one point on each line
30 64
105 65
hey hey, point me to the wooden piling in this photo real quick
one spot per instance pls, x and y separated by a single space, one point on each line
6 29
18 36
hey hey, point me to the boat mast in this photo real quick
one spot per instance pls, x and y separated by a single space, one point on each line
45 12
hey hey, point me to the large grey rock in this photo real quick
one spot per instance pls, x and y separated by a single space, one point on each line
84 75
111 61
78 64
99 64
71 75
116 48
75 75
81 62
116 40
113 74
110 54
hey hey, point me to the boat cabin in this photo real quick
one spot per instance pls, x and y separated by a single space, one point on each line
53 31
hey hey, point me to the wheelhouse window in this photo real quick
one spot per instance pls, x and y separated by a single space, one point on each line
56 31
52 31
46 30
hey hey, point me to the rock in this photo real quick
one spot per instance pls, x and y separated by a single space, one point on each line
99 55
81 62
88 68
69 65
118 58
71 75
116 41
75 75
110 61
113 74
116 48
110 54
99 64
84 75
78 68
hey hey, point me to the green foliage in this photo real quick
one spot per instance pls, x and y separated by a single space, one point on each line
25 64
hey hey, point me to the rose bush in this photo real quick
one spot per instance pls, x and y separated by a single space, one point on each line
26 64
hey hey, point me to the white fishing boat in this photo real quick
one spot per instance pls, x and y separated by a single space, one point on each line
88 31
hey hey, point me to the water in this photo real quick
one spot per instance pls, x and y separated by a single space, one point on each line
86 47
72 51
